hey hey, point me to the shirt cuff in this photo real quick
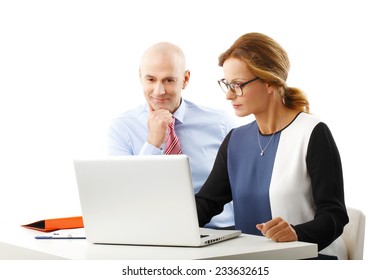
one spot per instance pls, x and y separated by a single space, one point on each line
149 149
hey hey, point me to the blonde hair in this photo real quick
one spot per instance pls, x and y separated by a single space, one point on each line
268 61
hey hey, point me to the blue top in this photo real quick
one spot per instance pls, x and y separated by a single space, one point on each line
200 131
250 190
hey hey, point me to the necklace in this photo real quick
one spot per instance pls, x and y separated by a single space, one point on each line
266 146
262 151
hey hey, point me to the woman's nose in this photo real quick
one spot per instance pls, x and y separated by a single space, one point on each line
230 94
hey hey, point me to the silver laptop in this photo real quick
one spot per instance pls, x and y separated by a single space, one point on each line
141 200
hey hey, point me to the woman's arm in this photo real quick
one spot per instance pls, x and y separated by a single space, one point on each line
325 170
216 191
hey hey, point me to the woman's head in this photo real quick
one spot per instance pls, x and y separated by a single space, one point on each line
266 59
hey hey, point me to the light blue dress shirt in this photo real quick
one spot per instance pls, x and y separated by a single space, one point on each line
200 131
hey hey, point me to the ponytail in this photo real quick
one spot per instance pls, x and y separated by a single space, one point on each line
296 99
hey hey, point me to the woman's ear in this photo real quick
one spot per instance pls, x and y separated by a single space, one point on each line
270 89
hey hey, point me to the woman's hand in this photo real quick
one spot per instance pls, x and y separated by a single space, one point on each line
278 230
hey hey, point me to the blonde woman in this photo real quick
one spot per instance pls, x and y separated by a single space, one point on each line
282 171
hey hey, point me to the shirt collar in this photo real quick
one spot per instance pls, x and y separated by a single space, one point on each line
180 112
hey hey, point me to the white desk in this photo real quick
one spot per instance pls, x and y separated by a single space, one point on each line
19 243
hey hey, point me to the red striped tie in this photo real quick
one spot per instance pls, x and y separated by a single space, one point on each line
172 144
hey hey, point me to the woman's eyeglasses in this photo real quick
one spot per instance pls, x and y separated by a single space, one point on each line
235 87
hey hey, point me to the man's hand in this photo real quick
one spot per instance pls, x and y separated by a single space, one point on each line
158 122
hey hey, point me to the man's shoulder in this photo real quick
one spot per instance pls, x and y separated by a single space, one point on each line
206 110
130 119
212 117
134 112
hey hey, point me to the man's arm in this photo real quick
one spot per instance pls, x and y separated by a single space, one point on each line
158 122
119 143
125 140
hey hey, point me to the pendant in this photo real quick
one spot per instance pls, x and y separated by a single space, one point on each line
262 153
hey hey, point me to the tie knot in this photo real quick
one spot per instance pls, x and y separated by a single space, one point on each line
172 124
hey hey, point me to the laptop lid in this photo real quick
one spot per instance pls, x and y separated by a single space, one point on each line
141 200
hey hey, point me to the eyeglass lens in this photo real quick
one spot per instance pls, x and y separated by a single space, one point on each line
235 88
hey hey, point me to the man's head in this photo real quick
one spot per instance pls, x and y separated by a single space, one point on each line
163 76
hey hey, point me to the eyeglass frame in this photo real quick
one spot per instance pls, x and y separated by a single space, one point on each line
240 85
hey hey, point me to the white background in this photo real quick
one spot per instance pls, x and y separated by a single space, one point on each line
67 68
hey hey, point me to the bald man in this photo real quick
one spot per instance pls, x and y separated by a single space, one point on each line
142 130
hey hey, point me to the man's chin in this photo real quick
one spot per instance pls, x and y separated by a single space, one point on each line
163 106
156 107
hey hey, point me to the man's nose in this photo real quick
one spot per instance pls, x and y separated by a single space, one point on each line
159 88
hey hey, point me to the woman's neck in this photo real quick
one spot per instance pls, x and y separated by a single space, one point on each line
274 120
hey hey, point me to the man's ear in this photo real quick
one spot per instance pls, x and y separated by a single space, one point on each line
187 75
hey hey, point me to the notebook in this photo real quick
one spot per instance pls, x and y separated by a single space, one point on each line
141 200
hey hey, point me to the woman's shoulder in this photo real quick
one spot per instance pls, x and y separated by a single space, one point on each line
246 127
304 122
307 118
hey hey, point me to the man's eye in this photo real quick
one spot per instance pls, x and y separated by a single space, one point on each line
170 81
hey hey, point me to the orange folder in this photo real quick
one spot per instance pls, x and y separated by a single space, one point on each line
56 224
